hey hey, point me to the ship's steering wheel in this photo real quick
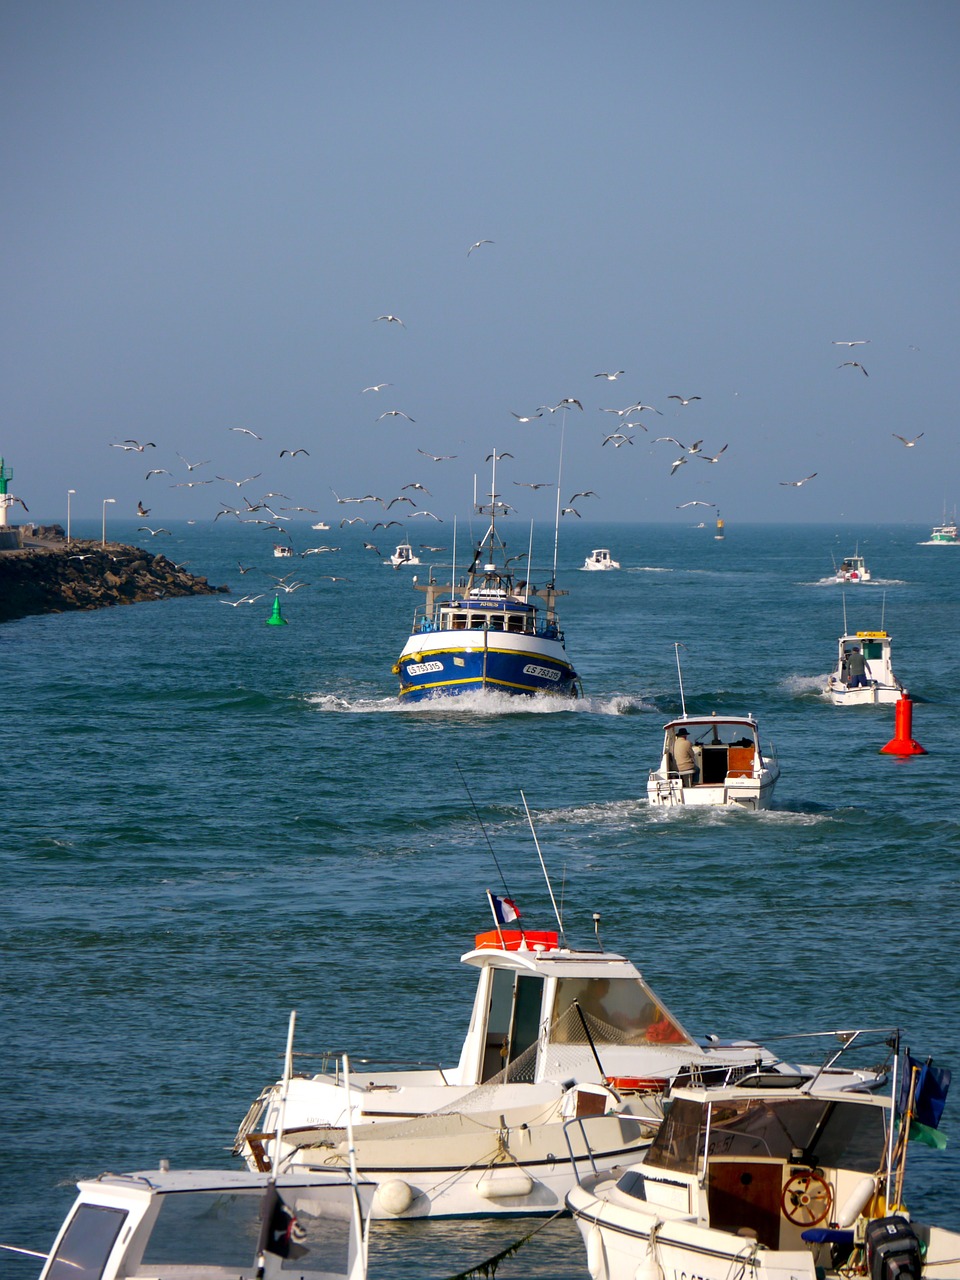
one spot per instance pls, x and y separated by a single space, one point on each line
806 1199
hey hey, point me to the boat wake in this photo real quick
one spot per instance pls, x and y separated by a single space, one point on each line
798 686
483 704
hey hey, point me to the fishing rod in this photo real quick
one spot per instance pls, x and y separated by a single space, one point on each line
543 866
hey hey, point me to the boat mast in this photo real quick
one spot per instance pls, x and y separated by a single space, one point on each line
677 646
556 525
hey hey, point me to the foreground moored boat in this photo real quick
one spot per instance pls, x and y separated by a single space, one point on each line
555 1034
772 1184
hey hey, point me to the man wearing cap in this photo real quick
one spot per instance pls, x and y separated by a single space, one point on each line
684 759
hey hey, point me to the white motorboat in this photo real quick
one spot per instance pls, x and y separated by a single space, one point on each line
877 683
729 765
555 1034
321 524
403 555
852 569
600 558
202 1224
282 551
770 1183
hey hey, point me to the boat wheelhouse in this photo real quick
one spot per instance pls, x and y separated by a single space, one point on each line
721 763
774 1183
847 687
491 632
600 558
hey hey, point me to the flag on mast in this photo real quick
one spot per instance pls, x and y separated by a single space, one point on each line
505 910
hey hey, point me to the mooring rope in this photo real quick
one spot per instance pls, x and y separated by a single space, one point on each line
488 1269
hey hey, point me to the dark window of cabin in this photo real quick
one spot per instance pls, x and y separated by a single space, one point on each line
83 1252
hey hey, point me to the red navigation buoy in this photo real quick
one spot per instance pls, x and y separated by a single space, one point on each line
902 743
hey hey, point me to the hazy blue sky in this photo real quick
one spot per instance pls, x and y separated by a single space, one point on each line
206 204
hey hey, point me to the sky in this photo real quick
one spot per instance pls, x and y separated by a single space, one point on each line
206 206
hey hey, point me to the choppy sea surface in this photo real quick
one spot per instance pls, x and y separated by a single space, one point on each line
210 821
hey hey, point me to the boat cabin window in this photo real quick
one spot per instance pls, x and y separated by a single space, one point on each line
872 650
513 1023
83 1252
459 621
478 621
496 622
515 622
617 1011
726 735
845 1135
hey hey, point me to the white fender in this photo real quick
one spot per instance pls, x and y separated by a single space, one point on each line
395 1196
857 1201
596 1254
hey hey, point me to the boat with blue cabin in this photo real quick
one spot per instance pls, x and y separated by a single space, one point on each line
491 632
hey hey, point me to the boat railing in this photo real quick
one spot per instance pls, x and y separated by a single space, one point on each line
333 1058
578 1121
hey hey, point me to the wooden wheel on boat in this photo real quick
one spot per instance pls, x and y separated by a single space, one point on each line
806 1199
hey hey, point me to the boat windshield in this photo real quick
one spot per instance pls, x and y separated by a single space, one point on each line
814 1131
718 733
617 1011
87 1243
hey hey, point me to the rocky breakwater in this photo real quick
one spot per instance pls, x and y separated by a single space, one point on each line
85 575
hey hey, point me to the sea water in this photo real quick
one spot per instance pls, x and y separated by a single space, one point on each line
209 821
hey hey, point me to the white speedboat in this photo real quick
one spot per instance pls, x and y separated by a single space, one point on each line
878 684
555 1034
282 551
769 1183
729 766
852 569
403 555
321 524
600 559
202 1224
488 632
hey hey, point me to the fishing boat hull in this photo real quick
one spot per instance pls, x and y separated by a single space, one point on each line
445 663
871 695
736 793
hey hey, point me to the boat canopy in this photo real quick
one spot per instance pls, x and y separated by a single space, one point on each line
728 730
813 1129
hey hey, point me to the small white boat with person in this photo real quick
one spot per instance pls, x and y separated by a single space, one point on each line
863 675
403 555
710 760
772 1184
852 569
283 551
600 558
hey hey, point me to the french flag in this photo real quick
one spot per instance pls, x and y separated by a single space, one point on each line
504 909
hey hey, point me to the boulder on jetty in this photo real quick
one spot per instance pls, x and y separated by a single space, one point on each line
60 576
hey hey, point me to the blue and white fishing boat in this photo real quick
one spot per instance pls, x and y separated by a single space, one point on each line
491 632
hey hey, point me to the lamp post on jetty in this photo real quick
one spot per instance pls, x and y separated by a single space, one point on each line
103 531
70 492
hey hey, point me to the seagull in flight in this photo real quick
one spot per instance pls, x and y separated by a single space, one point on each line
569 400
153 532
529 418
238 483
526 484
391 320
695 503
192 466
387 525
498 456
706 457
679 463
618 439
367 497
157 471
190 484
416 485
293 452
908 444
584 493
414 514
368 546
795 484
859 342
688 400
377 386
246 432
355 520
395 413
134 446
401 498
610 377
853 364
571 511
142 511
243 600
441 457
476 245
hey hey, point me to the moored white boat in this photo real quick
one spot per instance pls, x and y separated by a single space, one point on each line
488 633
729 767
848 686
770 1183
600 558
555 1034
202 1224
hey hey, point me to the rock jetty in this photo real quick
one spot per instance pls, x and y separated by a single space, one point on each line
57 576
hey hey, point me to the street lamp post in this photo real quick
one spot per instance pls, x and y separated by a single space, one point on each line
70 493
103 532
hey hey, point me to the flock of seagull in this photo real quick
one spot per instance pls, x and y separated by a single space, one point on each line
268 512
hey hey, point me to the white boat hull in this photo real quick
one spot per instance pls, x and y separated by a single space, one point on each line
871 695
736 793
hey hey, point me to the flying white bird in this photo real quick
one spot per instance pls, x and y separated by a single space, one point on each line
904 441
395 413
245 431
688 400
192 466
441 457
678 463
157 471
618 439
377 386
153 532
529 418
391 320
238 483
706 457
610 377
797 483
695 503
853 364
859 342
476 245
293 452
133 446
417 485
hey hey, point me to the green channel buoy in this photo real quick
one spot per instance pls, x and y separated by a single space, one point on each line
276 618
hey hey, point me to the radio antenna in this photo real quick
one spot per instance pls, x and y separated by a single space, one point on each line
677 646
476 811
543 865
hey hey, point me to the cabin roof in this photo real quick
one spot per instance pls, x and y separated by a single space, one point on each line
169 1181
554 963
765 1097
684 722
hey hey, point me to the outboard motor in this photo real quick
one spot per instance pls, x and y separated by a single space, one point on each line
893 1250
